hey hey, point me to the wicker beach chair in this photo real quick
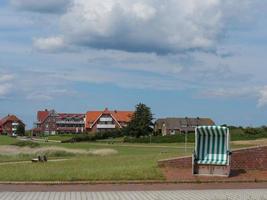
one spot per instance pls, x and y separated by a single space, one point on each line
212 151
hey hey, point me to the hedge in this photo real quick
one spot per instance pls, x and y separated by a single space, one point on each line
179 138
94 136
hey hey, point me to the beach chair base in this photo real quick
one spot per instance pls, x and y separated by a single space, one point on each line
211 170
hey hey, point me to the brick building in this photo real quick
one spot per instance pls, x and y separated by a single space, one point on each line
98 121
50 122
9 125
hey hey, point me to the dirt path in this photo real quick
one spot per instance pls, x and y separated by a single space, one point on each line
25 162
259 142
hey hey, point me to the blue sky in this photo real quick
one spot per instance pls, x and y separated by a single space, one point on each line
195 58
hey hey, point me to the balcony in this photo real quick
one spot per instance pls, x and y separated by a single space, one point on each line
70 122
105 126
105 119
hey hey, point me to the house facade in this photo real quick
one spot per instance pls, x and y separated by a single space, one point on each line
50 122
9 125
172 126
106 120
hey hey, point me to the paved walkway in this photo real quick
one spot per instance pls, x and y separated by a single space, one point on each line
145 195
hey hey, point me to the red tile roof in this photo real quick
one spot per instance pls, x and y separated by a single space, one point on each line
120 116
42 115
9 118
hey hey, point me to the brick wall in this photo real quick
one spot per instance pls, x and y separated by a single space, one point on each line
179 162
250 158
254 158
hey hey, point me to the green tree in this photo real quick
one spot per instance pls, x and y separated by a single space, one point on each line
20 130
141 123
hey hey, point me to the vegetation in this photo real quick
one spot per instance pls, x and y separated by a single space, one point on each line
20 130
179 138
94 136
130 162
141 123
248 133
237 133
7 140
27 144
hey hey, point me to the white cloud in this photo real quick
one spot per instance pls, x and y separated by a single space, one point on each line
47 94
230 92
6 77
148 25
5 84
50 44
5 89
262 101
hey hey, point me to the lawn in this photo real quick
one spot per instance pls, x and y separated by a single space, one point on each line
131 162
6 140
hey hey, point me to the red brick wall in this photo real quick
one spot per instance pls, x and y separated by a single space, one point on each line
248 159
184 162
7 128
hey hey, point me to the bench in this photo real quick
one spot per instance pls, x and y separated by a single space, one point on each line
40 159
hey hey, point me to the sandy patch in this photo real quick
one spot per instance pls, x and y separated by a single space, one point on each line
251 142
103 152
14 150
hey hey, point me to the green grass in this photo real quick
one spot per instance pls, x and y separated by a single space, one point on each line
26 144
7 140
239 134
59 137
93 168
133 162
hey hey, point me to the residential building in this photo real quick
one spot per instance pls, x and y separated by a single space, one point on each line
106 120
171 126
50 122
9 125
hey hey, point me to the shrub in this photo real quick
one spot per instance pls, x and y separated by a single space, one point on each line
248 134
94 136
27 144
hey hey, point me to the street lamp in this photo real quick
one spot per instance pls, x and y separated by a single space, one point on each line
186 132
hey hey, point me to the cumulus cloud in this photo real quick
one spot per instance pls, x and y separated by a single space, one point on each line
147 25
50 44
42 6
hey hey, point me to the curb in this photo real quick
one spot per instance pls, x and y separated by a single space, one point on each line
127 182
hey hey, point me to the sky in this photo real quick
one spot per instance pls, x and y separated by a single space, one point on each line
182 58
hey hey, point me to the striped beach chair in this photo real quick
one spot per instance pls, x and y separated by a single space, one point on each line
212 151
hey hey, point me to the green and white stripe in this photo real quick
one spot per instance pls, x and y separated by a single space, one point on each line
212 145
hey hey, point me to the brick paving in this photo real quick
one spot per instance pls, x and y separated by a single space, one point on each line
185 175
142 195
